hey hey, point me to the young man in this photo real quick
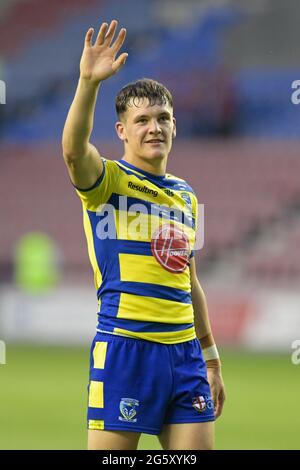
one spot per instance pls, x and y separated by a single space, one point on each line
147 369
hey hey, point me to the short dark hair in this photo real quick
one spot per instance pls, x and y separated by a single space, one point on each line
154 91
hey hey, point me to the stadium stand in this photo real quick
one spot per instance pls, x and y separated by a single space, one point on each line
244 186
47 90
275 259
41 16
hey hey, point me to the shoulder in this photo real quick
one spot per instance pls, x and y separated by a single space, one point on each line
110 165
101 191
180 184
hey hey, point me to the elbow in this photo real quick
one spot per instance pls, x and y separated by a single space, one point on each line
67 148
195 284
69 155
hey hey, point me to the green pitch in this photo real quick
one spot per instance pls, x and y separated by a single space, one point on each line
43 400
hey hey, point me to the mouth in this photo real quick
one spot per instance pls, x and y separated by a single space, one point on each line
155 141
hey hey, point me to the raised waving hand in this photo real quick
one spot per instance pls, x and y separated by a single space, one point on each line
98 60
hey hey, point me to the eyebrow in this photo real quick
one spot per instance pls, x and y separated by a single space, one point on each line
141 116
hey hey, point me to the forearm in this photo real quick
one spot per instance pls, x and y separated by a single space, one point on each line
202 325
201 318
80 119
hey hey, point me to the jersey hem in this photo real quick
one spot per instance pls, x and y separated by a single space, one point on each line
147 340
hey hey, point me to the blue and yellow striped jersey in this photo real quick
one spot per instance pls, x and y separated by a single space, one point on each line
140 231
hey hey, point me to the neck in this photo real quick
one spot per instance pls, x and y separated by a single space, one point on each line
156 166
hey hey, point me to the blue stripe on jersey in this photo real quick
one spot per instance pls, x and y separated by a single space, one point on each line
135 247
159 181
108 324
143 172
146 290
149 208
108 265
111 244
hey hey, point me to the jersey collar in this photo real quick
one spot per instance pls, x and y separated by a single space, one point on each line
146 173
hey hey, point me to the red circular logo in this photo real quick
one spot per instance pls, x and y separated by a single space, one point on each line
171 248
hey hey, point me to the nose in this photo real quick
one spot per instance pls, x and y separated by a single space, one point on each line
154 127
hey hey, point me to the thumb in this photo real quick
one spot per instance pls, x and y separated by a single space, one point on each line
118 64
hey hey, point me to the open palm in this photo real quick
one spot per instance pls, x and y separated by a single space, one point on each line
98 61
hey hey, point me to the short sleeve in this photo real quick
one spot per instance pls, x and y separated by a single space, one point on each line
101 191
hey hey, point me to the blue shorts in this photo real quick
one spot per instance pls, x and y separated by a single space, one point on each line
137 385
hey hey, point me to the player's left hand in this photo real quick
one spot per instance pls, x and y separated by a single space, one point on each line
217 388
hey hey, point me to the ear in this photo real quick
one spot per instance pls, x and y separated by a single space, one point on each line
121 131
174 128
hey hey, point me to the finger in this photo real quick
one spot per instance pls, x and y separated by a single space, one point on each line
218 410
116 46
110 33
213 394
88 37
101 34
215 401
220 405
118 64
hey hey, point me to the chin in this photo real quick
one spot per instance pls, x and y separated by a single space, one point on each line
156 155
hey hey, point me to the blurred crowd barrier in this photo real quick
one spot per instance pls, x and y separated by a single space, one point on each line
264 320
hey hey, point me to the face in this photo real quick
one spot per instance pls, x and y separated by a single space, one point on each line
147 131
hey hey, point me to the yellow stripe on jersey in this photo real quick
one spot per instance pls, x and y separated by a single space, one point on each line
99 354
91 249
140 227
96 394
148 270
166 337
97 424
135 227
141 308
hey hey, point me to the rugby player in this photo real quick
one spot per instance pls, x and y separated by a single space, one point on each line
154 365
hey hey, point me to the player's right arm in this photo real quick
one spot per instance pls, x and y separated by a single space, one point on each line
98 62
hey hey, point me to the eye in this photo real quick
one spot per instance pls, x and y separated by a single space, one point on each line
142 120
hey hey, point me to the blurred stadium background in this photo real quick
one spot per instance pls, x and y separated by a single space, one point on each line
230 66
